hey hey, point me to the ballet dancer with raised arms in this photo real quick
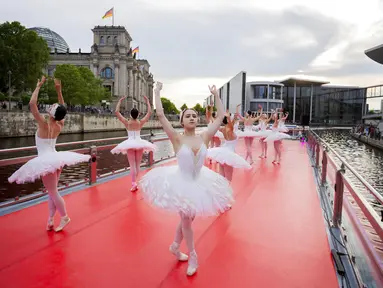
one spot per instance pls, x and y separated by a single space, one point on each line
134 146
188 188
49 163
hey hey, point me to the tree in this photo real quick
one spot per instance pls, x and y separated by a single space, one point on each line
199 108
79 86
169 107
184 106
22 52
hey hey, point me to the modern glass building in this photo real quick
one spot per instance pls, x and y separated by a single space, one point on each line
54 40
308 101
268 95
318 102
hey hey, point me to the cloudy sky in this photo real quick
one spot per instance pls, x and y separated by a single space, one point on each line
191 44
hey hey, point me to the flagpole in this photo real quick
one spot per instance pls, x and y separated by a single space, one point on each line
113 17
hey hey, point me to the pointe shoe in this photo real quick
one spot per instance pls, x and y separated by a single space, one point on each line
50 224
175 250
134 187
64 221
193 264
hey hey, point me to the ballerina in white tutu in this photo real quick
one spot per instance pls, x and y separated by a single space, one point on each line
210 117
188 188
225 155
134 146
248 132
263 132
276 137
48 163
282 119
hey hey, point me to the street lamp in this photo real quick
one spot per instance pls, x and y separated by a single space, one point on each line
9 89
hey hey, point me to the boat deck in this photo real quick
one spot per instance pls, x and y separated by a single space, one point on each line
274 236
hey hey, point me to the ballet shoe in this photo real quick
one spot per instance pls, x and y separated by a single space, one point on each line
175 250
64 221
192 265
50 224
134 187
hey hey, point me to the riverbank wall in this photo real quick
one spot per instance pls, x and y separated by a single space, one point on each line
366 140
21 124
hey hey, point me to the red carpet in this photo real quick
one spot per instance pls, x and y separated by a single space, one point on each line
273 236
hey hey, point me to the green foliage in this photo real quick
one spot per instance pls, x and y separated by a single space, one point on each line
199 108
169 107
79 87
22 52
183 107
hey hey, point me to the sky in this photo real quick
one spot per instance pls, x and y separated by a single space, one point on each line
193 44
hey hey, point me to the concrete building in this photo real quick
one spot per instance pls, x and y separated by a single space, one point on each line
110 59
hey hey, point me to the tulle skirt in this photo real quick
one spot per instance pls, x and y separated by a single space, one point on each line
134 144
208 194
224 155
45 164
276 136
247 133
264 133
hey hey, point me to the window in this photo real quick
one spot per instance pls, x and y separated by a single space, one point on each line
107 73
102 40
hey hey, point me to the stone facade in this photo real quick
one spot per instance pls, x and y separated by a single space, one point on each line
111 60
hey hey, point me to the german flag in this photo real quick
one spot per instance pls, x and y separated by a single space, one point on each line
136 50
108 14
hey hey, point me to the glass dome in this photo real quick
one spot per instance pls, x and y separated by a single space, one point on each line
53 39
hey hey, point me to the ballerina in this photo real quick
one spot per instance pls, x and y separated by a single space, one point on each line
49 163
282 119
188 188
134 146
276 137
248 132
263 133
225 155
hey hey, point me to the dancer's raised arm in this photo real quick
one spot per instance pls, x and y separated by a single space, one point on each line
33 103
118 114
168 128
214 126
60 97
147 116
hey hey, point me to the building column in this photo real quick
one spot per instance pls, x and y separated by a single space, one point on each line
311 101
295 100
116 80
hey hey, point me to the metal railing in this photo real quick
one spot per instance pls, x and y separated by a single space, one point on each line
364 216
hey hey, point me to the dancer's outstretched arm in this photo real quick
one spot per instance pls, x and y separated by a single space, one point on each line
168 128
213 128
33 103
60 97
148 113
118 114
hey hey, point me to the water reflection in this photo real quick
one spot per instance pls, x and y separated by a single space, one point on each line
366 160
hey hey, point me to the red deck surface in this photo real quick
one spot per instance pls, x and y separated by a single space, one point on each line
273 236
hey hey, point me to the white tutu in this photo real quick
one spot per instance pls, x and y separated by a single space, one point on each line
134 142
282 128
189 187
264 133
256 127
276 136
224 155
247 132
45 164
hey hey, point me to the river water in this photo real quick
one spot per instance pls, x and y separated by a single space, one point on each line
365 159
